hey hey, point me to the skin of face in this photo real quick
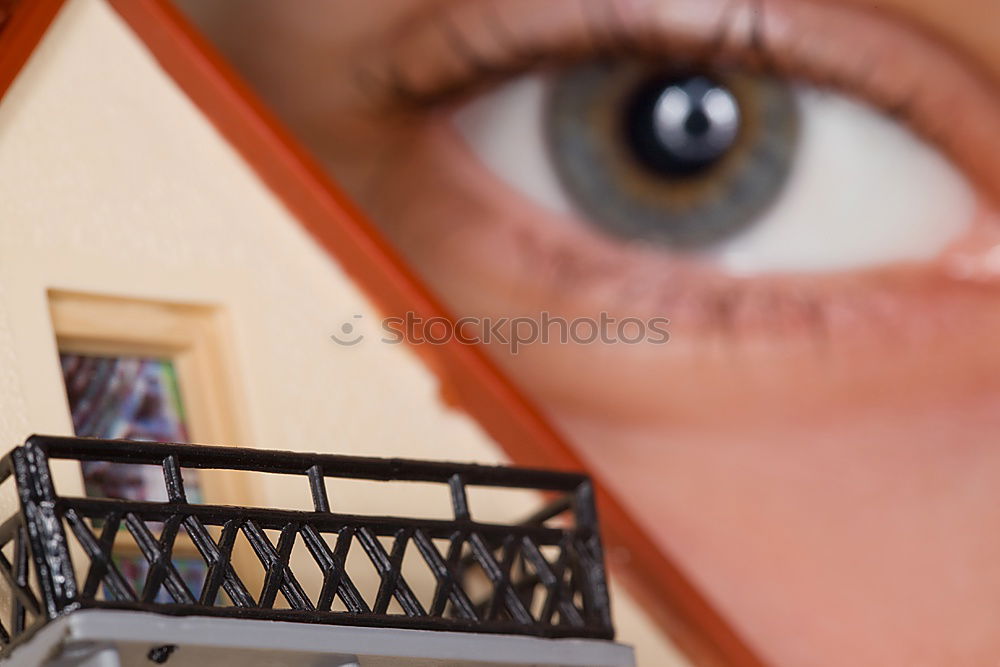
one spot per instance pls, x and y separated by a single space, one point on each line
833 488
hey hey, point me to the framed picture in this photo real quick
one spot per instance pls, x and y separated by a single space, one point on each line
133 398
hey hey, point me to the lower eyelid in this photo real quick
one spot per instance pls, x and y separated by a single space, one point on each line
460 46
489 252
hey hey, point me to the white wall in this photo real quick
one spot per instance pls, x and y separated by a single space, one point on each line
112 182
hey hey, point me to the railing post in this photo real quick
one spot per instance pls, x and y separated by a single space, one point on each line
49 549
459 500
317 486
598 607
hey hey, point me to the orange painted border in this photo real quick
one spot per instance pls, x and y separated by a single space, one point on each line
26 22
467 376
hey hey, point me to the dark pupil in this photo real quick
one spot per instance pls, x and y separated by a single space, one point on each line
680 126
697 123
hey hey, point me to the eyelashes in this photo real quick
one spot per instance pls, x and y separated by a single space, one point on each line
453 50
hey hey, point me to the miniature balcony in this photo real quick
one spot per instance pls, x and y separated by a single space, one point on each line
448 591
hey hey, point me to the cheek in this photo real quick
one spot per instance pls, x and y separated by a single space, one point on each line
885 525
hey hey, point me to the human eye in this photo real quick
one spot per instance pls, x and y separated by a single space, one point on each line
747 173
723 146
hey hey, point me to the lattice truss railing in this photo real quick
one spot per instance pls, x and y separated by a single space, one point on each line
543 576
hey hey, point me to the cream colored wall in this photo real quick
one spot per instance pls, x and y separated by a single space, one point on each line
112 182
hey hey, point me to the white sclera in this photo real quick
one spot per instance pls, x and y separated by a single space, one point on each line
863 191
505 129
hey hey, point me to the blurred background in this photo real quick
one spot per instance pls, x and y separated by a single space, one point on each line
805 189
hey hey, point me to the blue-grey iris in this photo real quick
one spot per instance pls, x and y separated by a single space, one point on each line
685 159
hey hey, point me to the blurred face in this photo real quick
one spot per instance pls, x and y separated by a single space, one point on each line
806 190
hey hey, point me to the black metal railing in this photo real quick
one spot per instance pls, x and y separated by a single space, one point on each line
543 576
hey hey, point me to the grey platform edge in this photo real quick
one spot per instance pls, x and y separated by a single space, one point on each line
111 638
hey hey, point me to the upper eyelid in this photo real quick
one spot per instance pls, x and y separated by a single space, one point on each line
453 47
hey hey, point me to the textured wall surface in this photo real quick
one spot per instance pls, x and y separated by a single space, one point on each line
112 182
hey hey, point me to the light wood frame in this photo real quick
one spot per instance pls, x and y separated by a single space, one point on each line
193 338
